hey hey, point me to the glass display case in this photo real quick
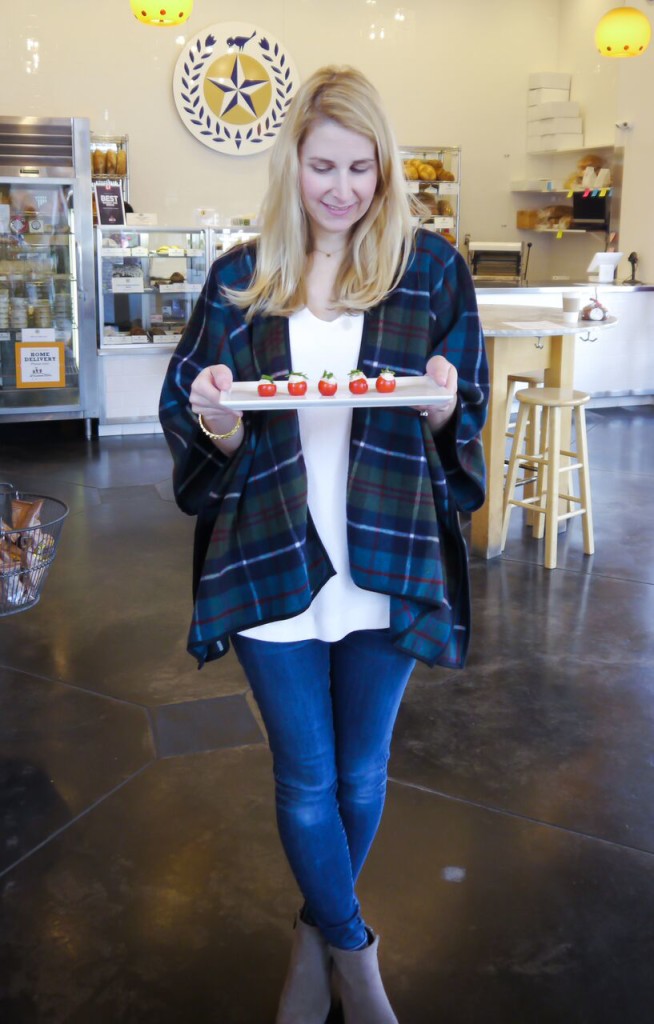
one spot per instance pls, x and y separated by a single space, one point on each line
433 175
148 282
47 311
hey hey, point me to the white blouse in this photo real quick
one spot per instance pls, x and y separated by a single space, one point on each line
340 607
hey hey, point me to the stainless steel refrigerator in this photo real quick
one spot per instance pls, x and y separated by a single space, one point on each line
48 350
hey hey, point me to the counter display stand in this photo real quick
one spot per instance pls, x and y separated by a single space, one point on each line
148 282
110 160
433 176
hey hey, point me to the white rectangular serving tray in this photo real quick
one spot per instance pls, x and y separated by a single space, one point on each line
244 396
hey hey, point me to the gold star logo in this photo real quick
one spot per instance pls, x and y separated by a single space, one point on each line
237 89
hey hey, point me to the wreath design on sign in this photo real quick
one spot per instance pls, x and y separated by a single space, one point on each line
233 85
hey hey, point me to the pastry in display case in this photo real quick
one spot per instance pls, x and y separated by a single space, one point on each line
433 178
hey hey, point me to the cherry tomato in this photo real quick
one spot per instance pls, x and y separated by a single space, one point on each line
358 385
327 384
267 387
386 382
297 387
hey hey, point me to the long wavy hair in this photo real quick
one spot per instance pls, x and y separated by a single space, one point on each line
379 245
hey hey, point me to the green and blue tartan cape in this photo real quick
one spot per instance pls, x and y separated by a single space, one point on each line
257 554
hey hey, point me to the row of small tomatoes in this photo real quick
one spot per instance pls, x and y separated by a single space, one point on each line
327 385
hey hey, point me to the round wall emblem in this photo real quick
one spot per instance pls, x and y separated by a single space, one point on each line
233 84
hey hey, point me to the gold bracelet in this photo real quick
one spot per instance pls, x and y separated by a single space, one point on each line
219 437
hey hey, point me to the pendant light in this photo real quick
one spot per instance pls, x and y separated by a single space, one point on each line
623 32
164 13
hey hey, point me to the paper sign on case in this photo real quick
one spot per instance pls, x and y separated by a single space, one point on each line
40 364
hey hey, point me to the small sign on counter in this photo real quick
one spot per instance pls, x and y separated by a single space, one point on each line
141 220
109 202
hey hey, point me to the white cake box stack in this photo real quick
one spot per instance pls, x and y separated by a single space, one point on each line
556 126
554 121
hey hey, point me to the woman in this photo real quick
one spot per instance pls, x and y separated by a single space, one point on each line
328 547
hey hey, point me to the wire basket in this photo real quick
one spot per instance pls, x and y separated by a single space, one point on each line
27 552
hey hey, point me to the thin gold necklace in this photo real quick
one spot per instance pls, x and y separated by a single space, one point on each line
329 254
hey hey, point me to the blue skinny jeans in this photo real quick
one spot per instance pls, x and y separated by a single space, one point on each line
329 710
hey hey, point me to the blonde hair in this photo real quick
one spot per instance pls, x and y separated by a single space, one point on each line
379 245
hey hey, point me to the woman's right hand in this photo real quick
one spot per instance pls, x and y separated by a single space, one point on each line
206 401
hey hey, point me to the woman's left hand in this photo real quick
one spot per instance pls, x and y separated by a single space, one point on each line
445 375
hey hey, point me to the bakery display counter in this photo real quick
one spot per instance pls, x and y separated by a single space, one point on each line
148 282
130 378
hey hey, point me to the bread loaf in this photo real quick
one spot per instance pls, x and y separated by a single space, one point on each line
426 172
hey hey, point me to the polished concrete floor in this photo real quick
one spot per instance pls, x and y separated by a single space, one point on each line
141 877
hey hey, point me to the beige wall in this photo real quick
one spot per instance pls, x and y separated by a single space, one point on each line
450 73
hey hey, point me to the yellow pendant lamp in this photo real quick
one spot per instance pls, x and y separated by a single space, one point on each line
623 32
163 13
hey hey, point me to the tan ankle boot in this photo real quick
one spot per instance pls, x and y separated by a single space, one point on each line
306 996
358 982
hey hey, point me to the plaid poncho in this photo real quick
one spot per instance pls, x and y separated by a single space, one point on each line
257 553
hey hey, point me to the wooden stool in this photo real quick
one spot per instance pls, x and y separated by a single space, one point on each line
528 479
547 457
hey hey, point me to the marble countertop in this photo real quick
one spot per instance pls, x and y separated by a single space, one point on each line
541 287
506 321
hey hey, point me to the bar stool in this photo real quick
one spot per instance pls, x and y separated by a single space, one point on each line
528 479
533 379
547 457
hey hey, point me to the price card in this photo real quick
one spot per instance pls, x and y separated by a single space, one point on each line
191 289
37 334
195 252
141 219
139 250
448 188
129 285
